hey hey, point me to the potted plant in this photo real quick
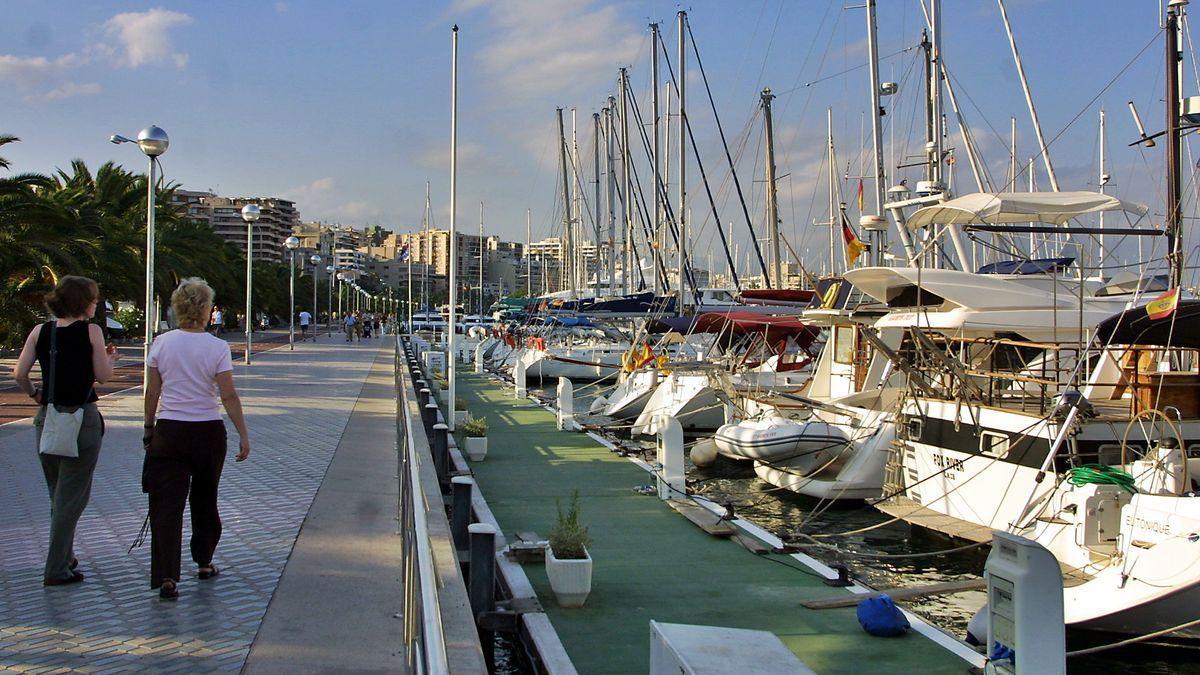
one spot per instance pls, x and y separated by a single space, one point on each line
475 430
461 415
568 565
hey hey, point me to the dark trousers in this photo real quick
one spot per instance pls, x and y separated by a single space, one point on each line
69 480
183 457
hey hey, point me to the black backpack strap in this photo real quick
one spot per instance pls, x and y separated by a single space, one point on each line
51 326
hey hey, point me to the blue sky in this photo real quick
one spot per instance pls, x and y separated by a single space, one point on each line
344 106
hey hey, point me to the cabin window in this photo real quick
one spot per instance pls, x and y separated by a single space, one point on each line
912 429
843 344
993 444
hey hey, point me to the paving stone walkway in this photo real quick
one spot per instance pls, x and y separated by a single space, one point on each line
298 405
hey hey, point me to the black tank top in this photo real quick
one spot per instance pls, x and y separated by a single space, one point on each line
74 379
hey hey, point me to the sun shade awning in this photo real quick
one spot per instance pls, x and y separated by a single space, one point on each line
1020 207
1135 327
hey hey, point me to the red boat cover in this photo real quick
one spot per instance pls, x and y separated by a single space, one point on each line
777 296
775 329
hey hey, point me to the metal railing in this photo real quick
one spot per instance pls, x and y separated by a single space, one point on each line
424 636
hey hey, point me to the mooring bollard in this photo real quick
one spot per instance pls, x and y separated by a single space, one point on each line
566 405
441 453
670 474
479 358
519 379
482 573
430 417
460 510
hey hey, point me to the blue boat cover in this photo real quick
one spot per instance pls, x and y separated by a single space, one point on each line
1035 266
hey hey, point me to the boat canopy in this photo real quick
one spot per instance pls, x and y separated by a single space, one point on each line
1135 327
1019 207
1035 266
787 297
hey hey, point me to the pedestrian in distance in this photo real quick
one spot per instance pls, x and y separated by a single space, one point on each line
191 377
358 325
305 321
217 320
348 321
73 358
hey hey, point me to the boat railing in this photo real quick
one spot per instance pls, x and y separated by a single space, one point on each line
434 589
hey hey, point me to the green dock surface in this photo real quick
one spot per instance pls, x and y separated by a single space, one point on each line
652 563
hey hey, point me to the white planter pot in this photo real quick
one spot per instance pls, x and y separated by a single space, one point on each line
571 580
460 417
476 448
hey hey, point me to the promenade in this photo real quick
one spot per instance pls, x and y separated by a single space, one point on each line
319 415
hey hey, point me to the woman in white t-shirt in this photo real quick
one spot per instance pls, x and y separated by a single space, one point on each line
191 376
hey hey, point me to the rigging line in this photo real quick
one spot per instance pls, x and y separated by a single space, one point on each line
725 144
647 227
844 72
641 217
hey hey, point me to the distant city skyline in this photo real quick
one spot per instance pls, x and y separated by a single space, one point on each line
344 108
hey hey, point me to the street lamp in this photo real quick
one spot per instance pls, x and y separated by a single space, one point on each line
341 276
316 263
329 310
153 142
250 214
292 243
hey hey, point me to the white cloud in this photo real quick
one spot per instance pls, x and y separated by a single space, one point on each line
65 90
319 188
34 70
438 156
281 8
144 37
554 48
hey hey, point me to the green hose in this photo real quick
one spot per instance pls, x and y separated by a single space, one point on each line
1102 475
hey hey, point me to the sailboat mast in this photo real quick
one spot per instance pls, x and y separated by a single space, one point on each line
772 207
1103 180
612 195
481 247
562 152
1174 220
933 69
1037 126
627 197
878 234
577 212
452 355
655 246
833 204
596 205
681 85
528 260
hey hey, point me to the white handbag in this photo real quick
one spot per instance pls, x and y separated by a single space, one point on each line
60 428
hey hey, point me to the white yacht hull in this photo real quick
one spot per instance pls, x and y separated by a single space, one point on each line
584 363
629 398
689 398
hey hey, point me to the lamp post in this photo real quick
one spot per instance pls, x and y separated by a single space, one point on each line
250 214
341 277
153 142
329 309
292 243
316 263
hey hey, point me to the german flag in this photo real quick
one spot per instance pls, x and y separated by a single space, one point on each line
854 245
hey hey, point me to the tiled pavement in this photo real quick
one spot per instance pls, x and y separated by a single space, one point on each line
298 404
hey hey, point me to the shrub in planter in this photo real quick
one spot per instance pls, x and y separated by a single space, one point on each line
568 565
461 415
475 430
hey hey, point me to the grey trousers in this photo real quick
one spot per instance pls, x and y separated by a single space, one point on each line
69 480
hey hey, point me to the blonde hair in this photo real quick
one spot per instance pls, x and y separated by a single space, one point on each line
192 302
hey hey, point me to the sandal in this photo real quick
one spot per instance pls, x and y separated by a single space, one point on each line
168 590
75 578
208 572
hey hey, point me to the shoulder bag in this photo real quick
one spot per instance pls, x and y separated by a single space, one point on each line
60 428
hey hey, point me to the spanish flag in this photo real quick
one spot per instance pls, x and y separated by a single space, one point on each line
860 195
1164 305
854 245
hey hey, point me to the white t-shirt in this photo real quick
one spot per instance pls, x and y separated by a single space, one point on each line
305 318
189 364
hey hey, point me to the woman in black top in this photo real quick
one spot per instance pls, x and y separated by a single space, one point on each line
82 361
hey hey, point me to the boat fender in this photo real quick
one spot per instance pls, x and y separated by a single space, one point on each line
880 616
598 405
704 452
977 627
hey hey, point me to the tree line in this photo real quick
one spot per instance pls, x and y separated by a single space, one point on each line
93 224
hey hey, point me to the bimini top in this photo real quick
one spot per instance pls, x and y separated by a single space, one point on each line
1135 327
1019 207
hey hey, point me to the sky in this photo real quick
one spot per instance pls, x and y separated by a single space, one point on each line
344 107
